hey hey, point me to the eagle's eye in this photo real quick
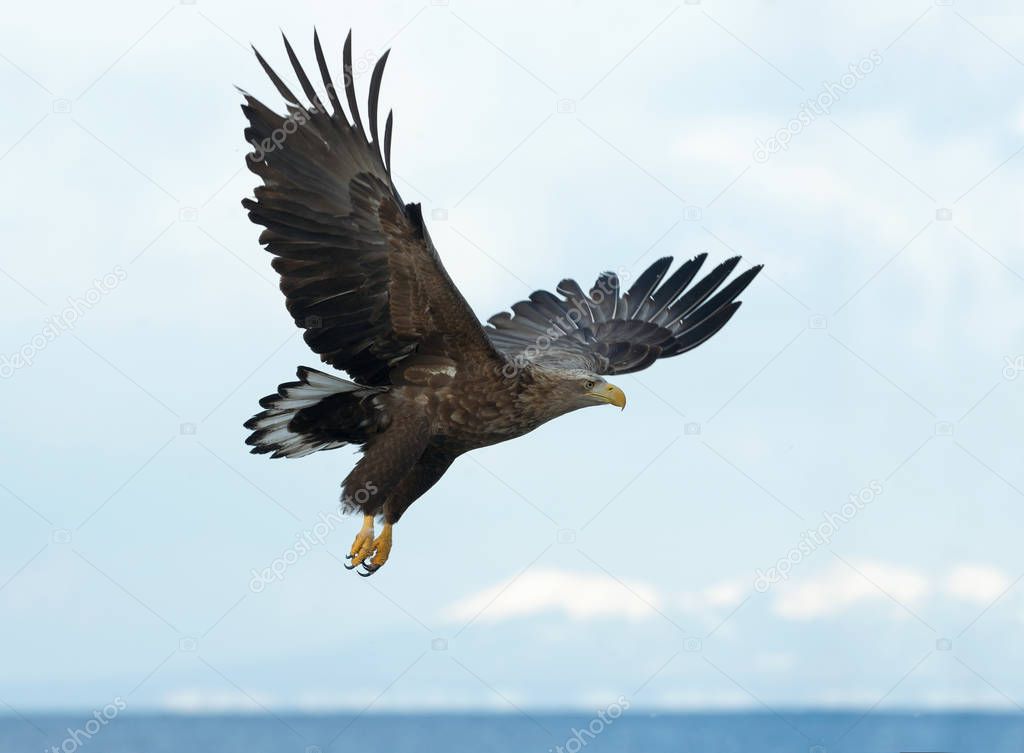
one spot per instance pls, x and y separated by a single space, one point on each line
590 384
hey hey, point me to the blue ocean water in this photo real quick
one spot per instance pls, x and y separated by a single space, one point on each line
636 732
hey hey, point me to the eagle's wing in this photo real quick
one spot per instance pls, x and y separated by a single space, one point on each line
358 269
608 332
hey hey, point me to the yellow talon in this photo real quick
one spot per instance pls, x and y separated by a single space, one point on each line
362 546
382 547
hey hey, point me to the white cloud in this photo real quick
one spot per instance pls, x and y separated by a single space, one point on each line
701 699
721 595
589 596
979 584
195 700
575 595
840 588
586 596
725 142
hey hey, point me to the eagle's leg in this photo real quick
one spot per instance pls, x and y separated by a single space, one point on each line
388 458
362 547
427 471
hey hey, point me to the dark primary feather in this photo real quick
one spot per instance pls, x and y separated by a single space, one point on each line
641 290
359 271
608 332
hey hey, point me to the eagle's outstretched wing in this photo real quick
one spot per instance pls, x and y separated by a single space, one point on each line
608 332
358 269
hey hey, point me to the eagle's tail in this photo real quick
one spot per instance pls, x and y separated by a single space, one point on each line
318 412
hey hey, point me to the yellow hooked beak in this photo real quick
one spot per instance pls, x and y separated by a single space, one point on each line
611 394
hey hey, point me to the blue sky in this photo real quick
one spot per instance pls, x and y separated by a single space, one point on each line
608 554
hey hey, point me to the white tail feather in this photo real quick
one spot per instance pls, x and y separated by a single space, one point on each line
270 432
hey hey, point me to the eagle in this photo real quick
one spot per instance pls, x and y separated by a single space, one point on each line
427 382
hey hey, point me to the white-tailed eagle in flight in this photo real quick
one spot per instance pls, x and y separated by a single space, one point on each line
426 381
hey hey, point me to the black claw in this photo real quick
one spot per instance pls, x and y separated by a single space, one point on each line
370 568
349 556
349 567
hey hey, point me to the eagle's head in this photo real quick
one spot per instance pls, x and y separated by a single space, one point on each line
562 391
